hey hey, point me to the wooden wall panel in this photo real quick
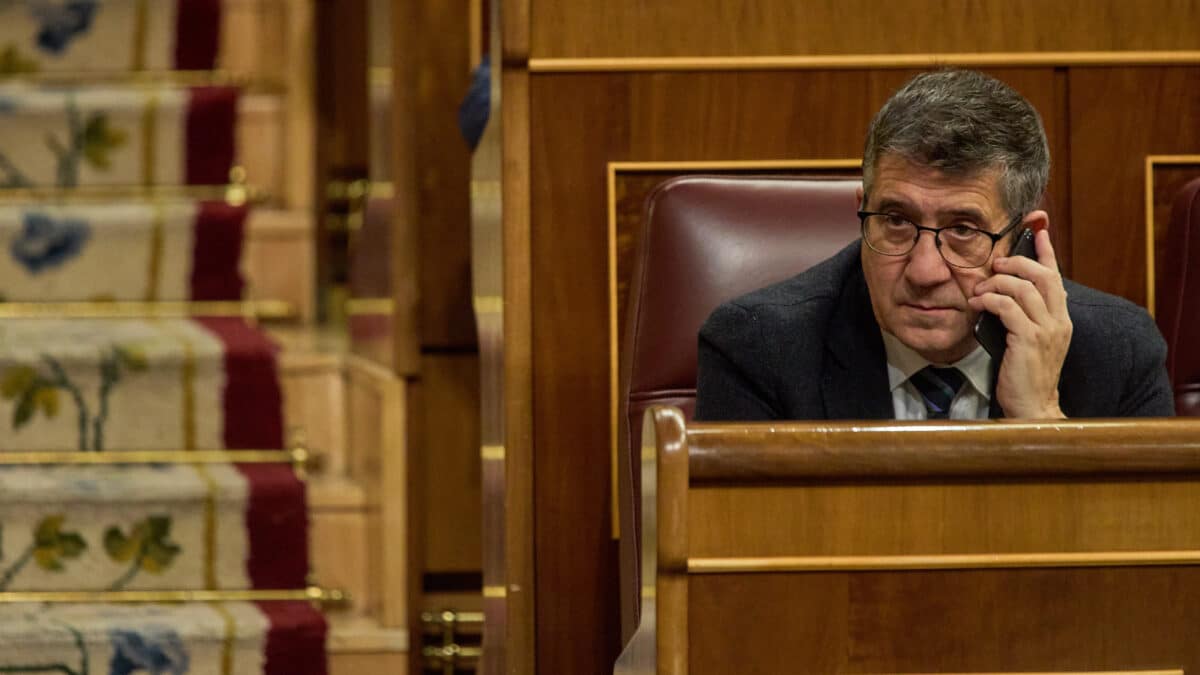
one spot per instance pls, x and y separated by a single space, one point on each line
646 117
1118 117
688 28
1088 620
451 482
443 76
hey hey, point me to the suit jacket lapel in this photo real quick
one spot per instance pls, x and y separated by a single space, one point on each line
854 382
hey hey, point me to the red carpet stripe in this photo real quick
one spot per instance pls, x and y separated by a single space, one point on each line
197 34
217 252
277 526
253 401
295 640
211 120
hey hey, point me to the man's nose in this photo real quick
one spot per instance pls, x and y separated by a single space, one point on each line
926 266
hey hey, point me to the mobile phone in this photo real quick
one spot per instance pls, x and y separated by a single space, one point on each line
989 329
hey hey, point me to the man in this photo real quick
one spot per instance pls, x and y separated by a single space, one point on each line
954 168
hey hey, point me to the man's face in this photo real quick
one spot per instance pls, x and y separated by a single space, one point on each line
918 297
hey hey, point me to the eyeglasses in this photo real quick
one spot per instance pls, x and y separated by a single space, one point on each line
959 245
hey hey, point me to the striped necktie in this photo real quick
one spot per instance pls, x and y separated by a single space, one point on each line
938 387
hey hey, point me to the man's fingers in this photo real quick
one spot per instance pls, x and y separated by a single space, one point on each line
1027 295
1003 306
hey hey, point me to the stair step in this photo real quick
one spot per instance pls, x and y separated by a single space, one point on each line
167 384
271 638
114 35
116 136
172 251
152 527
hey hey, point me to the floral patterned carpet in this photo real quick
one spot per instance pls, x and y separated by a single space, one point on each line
82 148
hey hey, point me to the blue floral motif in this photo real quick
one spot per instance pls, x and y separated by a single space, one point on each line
46 242
154 651
62 23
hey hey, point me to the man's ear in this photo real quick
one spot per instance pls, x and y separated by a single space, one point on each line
1037 221
858 194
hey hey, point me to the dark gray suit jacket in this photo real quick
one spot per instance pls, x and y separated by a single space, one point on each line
809 348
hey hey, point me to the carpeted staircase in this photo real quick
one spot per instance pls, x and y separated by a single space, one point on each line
131 562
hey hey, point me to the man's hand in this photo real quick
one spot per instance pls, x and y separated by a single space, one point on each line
1030 300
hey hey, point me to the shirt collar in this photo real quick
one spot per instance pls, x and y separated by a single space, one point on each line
903 362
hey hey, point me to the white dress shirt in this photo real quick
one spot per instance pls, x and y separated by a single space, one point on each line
972 400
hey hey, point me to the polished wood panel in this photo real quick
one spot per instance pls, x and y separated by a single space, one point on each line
1166 175
443 173
992 621
667 117
1118 117
630 28
944 519
521 589
791 452
451 473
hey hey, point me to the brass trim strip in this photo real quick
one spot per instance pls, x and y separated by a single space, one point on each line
157 245
229 638
614 347
488 304
939 562
369 306
210 526
492 453
140 20
234 194
614 356
451 617
312 594
135 309
1151 161
862 61
150 78
114 457
495 592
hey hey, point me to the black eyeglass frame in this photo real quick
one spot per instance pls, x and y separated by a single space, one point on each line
937 236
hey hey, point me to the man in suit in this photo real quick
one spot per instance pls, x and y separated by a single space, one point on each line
954 168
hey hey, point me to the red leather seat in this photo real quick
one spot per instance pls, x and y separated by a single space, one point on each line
1177 291
706 240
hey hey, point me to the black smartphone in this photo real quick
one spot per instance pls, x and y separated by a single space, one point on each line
989 329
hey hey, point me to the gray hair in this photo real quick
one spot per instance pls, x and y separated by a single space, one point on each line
962 123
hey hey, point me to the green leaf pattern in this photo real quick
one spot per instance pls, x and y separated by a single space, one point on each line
33 390
147 547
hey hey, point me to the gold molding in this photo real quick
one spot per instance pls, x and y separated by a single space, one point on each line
1151 162
862 61
235 193
938 562
156 457
149 78
370 306
135 309
325 596
614 340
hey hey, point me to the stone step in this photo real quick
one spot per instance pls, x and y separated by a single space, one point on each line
172 251
267 638
137 384
109 36
111 135
152 527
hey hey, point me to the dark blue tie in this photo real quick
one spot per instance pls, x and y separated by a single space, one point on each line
938 387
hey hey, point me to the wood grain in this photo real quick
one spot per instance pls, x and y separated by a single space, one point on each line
451 482
628 28
1118 117
851 451
993 621
520 543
